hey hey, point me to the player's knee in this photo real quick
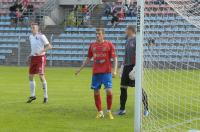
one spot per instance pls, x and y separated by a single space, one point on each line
109 92
30 77
42 78
96 92
123 91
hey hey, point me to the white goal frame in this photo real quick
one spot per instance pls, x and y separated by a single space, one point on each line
139 65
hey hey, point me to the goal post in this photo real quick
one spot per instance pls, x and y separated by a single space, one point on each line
139 64
168 65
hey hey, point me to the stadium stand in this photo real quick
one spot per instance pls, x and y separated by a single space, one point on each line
66 41
71 46
13 37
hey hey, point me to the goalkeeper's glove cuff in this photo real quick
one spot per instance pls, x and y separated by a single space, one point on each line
132 74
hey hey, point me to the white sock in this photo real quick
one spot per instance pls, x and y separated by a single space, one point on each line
32 88
44 85
108 110
101 112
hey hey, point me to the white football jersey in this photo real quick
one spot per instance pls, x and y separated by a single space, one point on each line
38 43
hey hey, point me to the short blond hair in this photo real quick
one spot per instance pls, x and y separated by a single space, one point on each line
132 28
100 30
34 24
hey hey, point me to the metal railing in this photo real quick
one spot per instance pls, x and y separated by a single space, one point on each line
78 53
45 10
91 8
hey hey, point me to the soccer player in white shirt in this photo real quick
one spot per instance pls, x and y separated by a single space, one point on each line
37 60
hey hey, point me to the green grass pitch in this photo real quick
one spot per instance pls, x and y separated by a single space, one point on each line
174 102
70 109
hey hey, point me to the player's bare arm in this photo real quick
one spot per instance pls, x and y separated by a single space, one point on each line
46 48
85 62
115 67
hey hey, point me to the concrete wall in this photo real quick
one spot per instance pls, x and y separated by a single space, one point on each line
79 2
48 21
56 17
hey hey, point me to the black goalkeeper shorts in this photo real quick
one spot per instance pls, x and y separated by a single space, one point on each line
125 80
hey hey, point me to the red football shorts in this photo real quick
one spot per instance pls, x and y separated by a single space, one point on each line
37 65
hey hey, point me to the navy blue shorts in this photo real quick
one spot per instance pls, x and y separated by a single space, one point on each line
99 79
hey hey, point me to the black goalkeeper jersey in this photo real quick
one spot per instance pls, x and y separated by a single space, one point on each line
130 51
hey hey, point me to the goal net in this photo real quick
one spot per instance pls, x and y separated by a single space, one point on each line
171 75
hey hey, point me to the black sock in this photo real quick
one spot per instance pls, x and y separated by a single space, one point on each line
145 100
123 98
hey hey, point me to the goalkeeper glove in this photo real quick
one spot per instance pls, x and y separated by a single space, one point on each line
132 74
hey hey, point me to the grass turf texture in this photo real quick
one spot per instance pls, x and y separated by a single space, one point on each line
174 102
70 108
174 98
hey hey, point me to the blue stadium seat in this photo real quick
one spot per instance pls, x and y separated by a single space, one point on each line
4 51
8 45
2 57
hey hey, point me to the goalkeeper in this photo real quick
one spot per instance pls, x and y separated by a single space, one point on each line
128 71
